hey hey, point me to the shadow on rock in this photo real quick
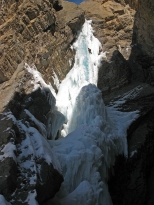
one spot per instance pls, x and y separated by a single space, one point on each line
29 169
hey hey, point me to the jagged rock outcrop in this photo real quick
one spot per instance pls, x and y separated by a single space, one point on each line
28 168
113 25
33 31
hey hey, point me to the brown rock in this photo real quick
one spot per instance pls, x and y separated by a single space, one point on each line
32 30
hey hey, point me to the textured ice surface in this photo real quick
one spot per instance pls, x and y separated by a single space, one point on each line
96 134
89 151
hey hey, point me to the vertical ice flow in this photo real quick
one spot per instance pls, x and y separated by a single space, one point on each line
83 72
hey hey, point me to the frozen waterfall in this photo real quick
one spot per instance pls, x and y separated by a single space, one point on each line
83 73
92 134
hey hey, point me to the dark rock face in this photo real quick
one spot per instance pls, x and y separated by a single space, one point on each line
8 173
143 26
8 167
113 74
141 59
48 184
25 170
132 182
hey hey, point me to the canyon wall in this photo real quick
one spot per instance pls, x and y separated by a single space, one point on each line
40 33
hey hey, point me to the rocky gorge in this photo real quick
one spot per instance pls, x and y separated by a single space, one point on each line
41 33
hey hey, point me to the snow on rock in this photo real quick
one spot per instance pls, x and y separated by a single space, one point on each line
38 82
35 146
41 126
127 96
55 119
8 150
31 199
36 166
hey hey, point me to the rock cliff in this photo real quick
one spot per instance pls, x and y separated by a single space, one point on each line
33 31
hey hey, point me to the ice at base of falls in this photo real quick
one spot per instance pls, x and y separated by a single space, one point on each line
89 151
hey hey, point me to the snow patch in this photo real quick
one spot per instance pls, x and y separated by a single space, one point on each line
56 80
3 201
